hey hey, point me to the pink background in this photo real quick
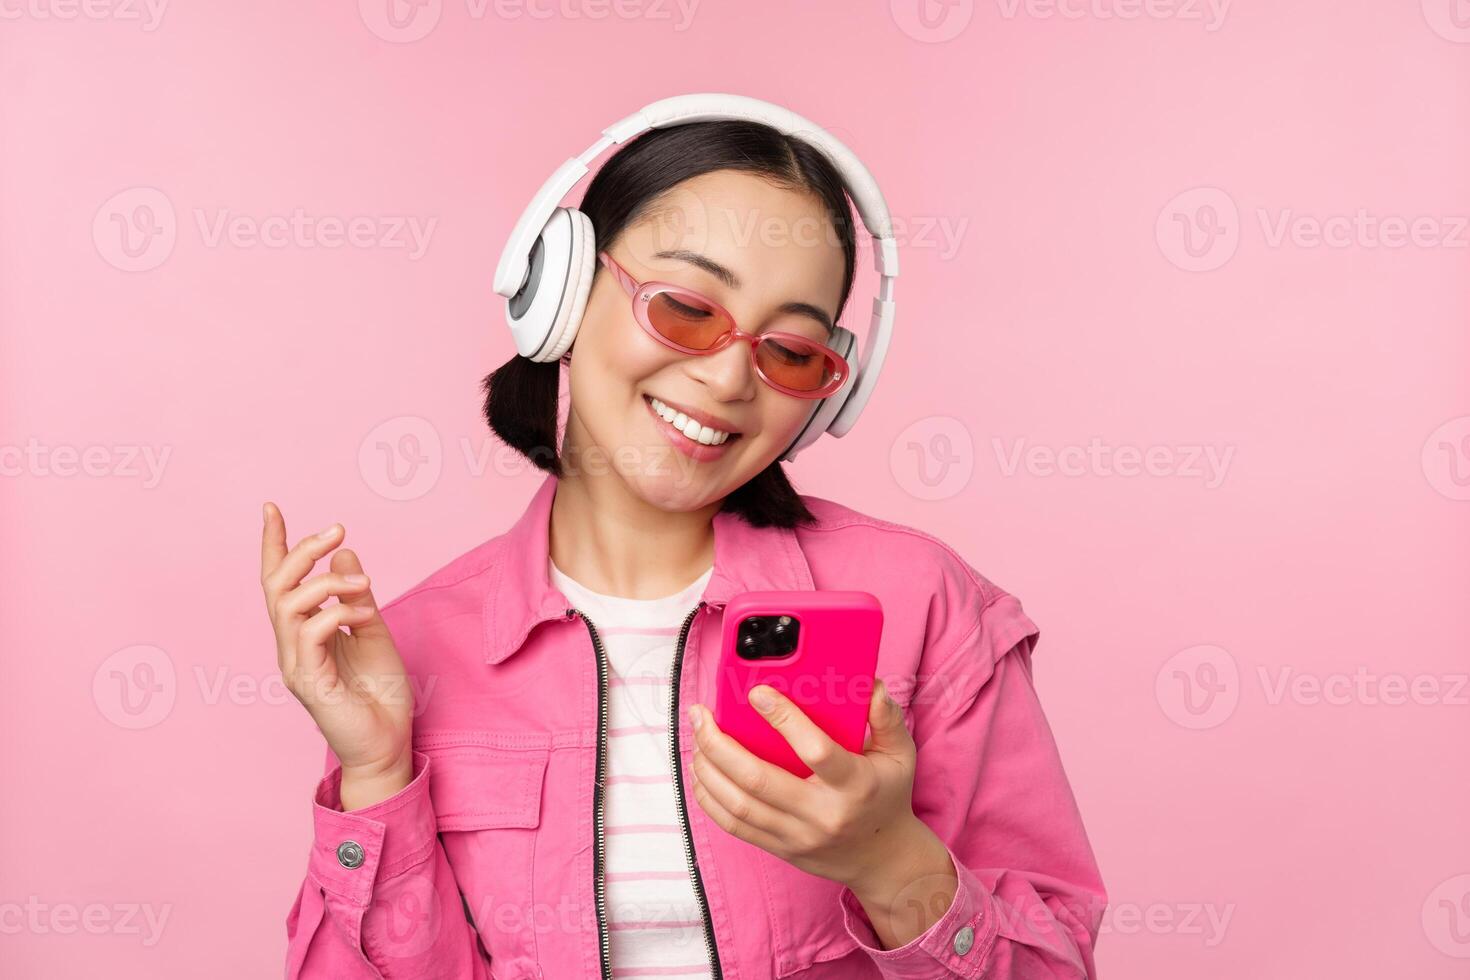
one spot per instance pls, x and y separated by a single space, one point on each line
1256 673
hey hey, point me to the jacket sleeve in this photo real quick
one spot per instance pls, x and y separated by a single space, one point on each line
379 899
989 782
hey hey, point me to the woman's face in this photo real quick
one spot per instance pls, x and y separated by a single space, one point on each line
780 247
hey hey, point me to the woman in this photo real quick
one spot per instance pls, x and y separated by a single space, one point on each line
514 742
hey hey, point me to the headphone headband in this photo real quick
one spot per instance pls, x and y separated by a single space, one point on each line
514 267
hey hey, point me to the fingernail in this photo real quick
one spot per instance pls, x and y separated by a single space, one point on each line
694 718
355 579
265 512
328 532
761 699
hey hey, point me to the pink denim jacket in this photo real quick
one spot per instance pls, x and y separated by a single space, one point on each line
487 864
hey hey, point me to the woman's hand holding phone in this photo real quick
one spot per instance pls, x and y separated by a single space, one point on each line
851 820
783 764
353 684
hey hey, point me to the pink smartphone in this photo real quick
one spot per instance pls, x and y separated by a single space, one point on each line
819 648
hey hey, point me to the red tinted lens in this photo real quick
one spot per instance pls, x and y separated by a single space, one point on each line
687 320
801 365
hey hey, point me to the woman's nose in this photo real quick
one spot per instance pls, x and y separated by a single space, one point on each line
728 373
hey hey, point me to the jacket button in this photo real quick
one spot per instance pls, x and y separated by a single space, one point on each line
350 854
963 940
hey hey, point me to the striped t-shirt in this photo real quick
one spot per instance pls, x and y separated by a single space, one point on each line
653 916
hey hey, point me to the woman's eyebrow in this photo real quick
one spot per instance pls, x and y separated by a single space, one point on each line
730 279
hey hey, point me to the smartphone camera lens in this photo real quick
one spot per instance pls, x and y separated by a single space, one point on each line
783 636
767 636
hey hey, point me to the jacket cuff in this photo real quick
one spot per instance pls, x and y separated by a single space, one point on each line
958 943
353 851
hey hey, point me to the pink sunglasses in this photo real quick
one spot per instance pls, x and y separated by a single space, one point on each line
693 324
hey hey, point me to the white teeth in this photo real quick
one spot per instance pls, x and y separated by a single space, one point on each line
686 425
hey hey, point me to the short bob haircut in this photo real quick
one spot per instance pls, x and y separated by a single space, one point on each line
521 395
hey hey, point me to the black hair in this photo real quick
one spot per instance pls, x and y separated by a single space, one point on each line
521 395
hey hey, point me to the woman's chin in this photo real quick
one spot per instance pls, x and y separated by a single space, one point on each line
676 492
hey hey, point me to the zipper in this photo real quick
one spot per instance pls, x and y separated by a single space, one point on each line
598 846
678 767
604 953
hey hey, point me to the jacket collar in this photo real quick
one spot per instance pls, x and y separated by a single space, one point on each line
521 595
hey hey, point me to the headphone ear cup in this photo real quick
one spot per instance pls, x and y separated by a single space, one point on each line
844 342
581 271
544 315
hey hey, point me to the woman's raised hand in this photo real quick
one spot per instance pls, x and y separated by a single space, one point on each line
352 683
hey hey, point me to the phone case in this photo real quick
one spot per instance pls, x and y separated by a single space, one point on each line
829 674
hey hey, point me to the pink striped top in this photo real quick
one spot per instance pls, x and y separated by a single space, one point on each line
653 915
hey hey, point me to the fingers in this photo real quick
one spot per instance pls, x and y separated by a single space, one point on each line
272 539
346 563
290 610
315 635
768 783
727 822
740 805
302 601
286 571
887 732
830 761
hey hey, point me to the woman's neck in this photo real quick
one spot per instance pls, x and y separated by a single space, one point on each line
612 541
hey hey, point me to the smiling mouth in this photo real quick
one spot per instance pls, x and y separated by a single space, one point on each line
692 430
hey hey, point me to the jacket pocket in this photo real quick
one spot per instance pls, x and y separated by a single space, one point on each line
487 804
806 919
479 787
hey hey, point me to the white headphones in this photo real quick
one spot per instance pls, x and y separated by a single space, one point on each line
547 267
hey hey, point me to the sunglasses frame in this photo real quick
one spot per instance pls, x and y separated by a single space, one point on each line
642 293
